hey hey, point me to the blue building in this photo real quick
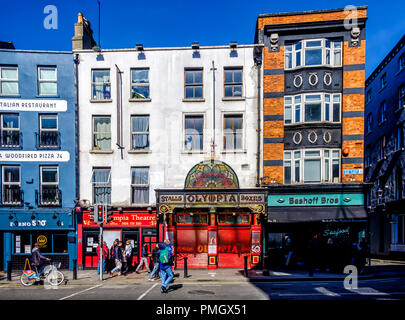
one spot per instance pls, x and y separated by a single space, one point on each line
37 156
384 154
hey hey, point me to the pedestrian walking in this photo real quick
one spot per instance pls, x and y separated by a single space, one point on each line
111 258
155 260
105 257
144 259
128 256
118 252
165 265
361 255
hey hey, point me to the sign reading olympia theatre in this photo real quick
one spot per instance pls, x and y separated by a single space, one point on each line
35 156
315 200
33 105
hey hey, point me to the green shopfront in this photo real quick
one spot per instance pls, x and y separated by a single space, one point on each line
333 214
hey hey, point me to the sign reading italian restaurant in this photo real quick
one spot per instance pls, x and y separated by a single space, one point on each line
212 198
33 105
35 156
321 200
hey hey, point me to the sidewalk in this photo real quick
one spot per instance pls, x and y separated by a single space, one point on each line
378 269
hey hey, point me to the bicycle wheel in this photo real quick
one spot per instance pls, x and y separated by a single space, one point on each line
55 278
26 280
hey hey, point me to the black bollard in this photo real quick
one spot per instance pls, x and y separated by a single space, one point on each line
9 270
246 268
74 269
185 268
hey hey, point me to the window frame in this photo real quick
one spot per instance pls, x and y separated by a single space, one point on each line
9 80
382 112
101 184
192 115
233 84
401 62
94 133
2 129
140 84
140 132
93 84
140 186
39 80
336 46
383 81
401 96
194 84
369 122
300 159
4 183
301 106
234 133
54 184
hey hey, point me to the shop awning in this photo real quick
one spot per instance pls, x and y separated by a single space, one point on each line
312 214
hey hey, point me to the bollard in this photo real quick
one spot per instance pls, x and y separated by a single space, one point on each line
74 269
9 270
246 268
185 268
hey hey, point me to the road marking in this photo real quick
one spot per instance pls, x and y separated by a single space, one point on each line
368 291
147 291
74 294
275 273
327 292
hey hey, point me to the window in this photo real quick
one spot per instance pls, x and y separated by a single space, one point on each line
8 80
383 81
101 133
317 108
10 130
140 185
401 229
140 84
381 148
398 184
233 132
11 185
140 132
369 95
383 111
194 130
402 62
48 131
101 86
49 189
313 53
233 82
369 122
234 218
399 138
312 166
193 84
47 81
192 218
368 156
101 182
401 97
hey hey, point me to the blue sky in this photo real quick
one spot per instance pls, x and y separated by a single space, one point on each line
162 23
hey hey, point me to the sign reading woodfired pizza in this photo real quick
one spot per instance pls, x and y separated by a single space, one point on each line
127 219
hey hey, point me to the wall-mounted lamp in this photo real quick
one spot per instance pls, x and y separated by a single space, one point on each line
195 45
233 45
139 47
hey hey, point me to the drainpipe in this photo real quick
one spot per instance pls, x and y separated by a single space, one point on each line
258 63
77 178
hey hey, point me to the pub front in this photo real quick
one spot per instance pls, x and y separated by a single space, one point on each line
212 222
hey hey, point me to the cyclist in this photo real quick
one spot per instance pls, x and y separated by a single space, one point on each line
37 260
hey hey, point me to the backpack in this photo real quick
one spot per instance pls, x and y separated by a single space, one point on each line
164 257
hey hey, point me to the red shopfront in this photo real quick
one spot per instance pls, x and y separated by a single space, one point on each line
137 226
214 226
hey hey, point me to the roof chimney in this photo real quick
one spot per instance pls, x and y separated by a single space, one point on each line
83 38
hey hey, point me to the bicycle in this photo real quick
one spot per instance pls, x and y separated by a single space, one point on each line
51 274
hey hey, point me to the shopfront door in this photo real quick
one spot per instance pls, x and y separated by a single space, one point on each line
90 249
132 236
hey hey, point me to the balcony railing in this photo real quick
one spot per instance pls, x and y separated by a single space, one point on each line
12 195
11 139
48 140
48 196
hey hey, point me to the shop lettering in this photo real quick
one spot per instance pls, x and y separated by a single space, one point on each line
251 198
314 201
171 198
335 232
211 198
33 223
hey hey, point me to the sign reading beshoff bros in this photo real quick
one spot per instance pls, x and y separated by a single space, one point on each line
212 198
315 200
33 105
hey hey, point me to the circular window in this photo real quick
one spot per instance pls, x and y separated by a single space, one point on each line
313 79
297 138
327 137
327 79
312 137
298 81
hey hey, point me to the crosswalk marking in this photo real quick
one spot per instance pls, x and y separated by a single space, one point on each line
368 291
327 292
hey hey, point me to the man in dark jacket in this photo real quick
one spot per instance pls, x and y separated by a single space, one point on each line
144 258
118 251
166 272
37 259
155 259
